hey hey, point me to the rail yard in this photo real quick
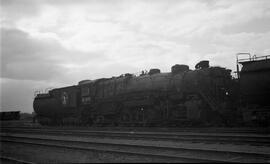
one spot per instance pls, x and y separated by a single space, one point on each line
201 115
39 144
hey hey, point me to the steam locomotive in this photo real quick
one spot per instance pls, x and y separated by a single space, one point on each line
204 96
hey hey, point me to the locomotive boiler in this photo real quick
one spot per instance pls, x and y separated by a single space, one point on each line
180 97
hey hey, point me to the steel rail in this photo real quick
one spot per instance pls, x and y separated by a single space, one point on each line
152 129
14 160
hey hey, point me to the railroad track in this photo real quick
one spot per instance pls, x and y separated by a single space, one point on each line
115 146
259 130
251 139
144 150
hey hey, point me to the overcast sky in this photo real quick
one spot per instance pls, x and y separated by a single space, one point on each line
58 43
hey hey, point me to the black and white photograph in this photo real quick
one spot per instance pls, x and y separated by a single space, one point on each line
134 81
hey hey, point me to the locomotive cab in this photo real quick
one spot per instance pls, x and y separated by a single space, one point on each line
208 93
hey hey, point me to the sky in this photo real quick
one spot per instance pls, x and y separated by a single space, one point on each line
49 44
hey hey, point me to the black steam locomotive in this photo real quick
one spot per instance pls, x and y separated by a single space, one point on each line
204 96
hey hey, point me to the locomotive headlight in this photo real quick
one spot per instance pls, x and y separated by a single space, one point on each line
227 93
